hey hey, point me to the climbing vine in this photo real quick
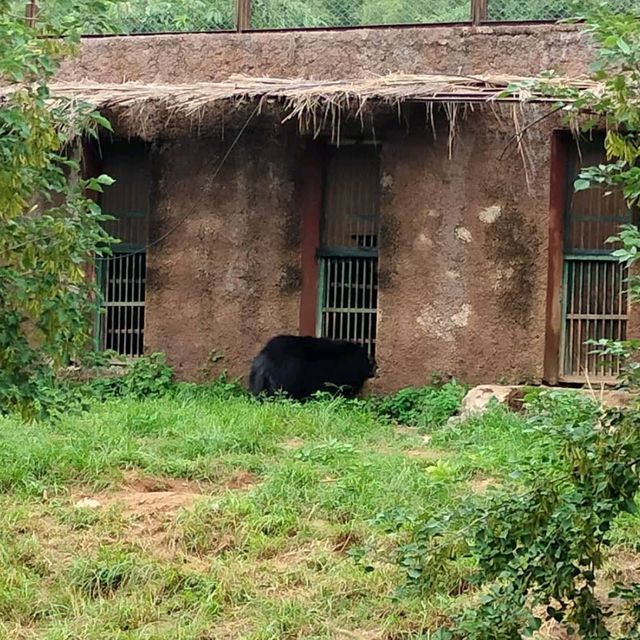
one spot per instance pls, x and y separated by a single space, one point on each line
50 229
537 550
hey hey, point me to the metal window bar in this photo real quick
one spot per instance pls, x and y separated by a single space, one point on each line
596 306
349 300
122 277
122 303
348 288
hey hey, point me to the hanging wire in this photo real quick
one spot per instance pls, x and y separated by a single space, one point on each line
181 221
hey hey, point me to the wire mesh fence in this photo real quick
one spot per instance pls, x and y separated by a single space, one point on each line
543 10
155 16
141 16
345 13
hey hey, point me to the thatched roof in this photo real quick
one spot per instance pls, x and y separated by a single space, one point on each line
147 110
302 97
299 93
316 104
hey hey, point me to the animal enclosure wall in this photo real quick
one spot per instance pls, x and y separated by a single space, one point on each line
462 251
463 254
227 276
462 243
505 49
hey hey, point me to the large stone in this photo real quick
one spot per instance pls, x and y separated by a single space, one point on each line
478 399
88 503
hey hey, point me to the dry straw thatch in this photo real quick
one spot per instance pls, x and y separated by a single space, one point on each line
318 105
306 95
315 103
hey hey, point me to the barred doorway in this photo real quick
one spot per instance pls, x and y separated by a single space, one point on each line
122 276
595 304
348 252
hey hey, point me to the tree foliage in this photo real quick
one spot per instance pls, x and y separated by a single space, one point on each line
146 16
49 228
538 552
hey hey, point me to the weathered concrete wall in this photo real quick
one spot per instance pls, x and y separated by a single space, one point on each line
512 49
463 263
229 272
464 241
463 253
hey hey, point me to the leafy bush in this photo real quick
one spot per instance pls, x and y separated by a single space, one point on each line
51 397
221 387
425 407
560 406
543 543
49 225
146 377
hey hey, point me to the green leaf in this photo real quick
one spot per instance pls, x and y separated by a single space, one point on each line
581 184
624 47
105 180
102 121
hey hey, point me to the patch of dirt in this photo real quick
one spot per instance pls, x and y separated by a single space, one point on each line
553 630
242 480
625 566
426 454
480 484
292 443
344 541
148 496
152 504
622 565
144 496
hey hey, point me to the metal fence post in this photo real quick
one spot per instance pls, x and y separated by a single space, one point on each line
243 15
30 12
479 11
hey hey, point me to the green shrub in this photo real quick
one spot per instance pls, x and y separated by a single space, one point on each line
425 407
536 547
146 377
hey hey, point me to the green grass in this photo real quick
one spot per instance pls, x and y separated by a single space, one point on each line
267 521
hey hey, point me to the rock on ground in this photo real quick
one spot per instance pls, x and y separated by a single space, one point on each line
478 399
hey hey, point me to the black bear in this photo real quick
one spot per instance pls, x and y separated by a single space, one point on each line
299 366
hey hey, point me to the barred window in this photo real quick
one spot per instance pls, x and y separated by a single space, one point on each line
122 276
